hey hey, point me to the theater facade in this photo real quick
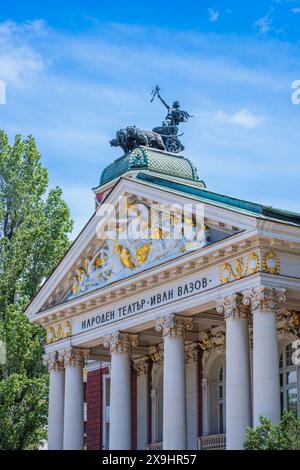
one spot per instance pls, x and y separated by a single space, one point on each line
163 342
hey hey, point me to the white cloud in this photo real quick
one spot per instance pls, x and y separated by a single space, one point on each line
19 62
264 24
213 14
295 10
243 118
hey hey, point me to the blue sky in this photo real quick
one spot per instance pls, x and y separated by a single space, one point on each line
77 71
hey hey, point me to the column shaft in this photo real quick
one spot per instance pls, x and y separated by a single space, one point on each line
238 404
120 402
266 390
56 402
73 415
174 400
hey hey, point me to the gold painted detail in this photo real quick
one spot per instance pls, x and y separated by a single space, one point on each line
140 237
271 263
59 331
229 271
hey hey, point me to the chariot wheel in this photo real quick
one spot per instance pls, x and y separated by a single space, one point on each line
173 145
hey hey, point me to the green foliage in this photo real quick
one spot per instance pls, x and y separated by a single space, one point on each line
268 436
34 227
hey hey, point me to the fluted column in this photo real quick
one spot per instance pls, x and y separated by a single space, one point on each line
56 401
73 412
120 345
173 330
141 366
264 303
238 389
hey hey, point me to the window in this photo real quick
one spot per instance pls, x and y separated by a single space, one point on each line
288 381
221 399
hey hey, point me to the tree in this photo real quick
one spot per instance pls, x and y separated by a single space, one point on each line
269 436
34 227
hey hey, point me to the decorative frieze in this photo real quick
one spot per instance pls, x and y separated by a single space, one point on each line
240 268
53 361
141 365
174 325
120 342
59 331
232 306
264 298
270 263
191 353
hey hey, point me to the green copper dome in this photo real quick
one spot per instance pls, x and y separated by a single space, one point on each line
157 161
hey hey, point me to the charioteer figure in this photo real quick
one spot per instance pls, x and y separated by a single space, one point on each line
164 137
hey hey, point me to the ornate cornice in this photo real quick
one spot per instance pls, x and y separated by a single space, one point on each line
173 325
120 342
53 361
233 308
141 365
191 353
264 298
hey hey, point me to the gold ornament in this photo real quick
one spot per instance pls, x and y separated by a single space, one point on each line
142 253
251 267
270 263
126 258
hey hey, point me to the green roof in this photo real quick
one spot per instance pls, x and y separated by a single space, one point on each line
156 161
229 202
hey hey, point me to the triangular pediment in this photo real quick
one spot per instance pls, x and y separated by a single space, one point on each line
105 252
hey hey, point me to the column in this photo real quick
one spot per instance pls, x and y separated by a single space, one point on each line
56 401
73 415
238 388
120 345
191 354
264 303
173 330
141 366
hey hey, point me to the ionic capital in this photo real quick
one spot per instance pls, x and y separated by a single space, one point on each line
73 357
264 298
120 342
233 308
141 365
53 361
173 325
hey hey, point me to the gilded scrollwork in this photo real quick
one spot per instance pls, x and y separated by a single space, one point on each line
239 269
60 330
271 263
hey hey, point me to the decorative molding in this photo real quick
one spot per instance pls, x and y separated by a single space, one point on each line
191 353
59 331
230 271
288 325
73 357
141 365
174 325
271 263
156 354
212 339
264 298
120 342
233 308
53 361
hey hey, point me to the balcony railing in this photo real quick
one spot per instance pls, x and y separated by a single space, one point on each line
212 442
155 446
